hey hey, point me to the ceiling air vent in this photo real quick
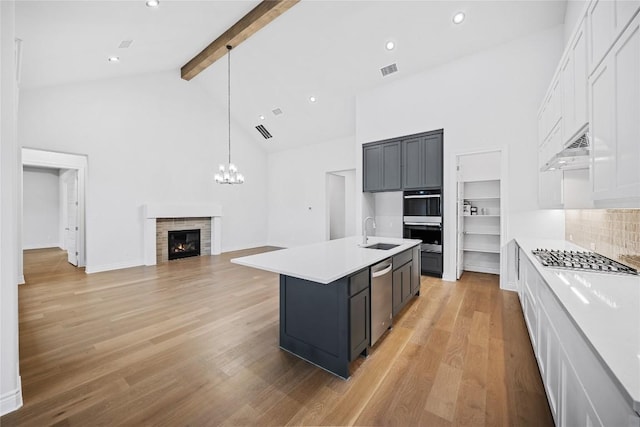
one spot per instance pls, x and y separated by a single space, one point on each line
581 142
264 132
389 69
124 44
276 111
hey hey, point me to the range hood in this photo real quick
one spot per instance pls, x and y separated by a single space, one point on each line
574 156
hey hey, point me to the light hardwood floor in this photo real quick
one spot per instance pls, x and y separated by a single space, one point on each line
195 342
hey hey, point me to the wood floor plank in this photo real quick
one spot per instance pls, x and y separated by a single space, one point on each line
195 342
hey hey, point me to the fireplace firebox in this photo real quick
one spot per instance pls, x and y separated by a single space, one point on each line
183 243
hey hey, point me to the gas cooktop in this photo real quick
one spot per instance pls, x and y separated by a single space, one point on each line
584 261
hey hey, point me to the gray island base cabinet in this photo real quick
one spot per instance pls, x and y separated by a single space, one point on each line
326 324
329 325
325 295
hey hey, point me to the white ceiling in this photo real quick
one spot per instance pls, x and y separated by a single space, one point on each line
331 49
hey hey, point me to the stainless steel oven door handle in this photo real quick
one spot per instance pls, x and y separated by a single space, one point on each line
423 196
381 272
427 224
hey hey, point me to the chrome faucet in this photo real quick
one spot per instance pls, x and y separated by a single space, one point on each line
364 229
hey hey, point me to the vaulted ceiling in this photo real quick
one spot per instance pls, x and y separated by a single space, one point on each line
332 50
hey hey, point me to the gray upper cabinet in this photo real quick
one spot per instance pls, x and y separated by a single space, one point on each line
422 161
411 162
382 167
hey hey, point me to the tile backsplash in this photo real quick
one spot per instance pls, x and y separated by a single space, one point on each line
615 232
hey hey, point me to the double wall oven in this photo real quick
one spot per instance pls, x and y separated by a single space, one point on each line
422 220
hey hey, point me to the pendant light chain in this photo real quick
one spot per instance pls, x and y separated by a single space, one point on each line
229 174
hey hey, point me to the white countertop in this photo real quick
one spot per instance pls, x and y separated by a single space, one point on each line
325 262
609 319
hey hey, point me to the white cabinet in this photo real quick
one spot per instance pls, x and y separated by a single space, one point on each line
607 19
549 360
551 110
574 86
575 407
615 121
579 388
550 181
529 303
480 233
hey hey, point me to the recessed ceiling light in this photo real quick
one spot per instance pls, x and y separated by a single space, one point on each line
562 162
458 18
390 45
153 3
261 117
114 59
312 98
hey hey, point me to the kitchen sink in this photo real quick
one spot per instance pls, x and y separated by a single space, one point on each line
383 246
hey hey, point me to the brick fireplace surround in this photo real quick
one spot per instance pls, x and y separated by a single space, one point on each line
159 216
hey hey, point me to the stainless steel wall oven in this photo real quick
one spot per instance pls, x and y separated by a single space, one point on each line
422 220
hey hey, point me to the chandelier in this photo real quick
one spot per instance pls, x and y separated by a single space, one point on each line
229 174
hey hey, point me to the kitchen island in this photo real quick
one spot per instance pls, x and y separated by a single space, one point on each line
325 302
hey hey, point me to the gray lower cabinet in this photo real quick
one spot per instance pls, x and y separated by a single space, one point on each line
360 323
415 270
401 287
432 263
326 324
359 313
405 282
422 161
382 167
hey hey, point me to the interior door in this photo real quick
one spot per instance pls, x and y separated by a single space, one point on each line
71 230
460 230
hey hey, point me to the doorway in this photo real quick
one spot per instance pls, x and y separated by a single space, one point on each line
340 190
480 219
71 171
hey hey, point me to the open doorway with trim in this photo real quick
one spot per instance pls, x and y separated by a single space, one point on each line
481 207
69 172
340 190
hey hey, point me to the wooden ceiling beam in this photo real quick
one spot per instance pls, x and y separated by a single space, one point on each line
259 17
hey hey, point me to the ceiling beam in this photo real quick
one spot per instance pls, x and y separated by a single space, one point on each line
251 23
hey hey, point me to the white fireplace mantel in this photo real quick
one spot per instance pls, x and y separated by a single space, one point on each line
153 211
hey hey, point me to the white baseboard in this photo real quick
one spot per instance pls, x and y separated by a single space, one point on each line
11 400
21 279
243 247
26 247
449 277
90 269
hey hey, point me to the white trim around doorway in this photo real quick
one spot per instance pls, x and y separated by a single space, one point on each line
56 160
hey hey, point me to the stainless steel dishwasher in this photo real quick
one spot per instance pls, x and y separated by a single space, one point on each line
381 298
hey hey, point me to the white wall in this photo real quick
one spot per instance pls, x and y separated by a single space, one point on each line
297 190
40 208
10 389
336 194
350 201
149 139
388 214
486 100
